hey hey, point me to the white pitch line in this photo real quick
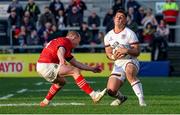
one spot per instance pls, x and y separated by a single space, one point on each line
91 82
21 91
71 90
39 83
45 90
7 96
38 90
11 95
47 83
37 104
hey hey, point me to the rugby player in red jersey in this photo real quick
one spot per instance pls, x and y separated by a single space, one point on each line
52 66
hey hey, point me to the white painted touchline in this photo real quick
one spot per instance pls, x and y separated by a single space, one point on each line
37 104
7 96
21 91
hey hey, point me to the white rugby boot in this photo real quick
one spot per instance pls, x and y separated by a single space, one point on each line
117 102
98 95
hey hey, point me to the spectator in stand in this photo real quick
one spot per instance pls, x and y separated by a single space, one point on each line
81 6
14 20
28 15
123 2
28 24
134 4
94 23
132 14
55 6
56 33
149 18
74 19
14 23
162 30
119 4
108 20
131 24
45 32
140 15
170 12
98 41
159 44
22 39
86 34
61 20
32 39
86 37
34 10
69 7
47 16
148 33
17 6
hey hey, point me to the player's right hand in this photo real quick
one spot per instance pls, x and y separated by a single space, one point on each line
97 69
118 55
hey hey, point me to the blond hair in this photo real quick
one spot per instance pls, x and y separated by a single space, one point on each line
73 33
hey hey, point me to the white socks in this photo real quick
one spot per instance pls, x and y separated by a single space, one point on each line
137 87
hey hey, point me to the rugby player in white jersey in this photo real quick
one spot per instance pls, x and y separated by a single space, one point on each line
122 46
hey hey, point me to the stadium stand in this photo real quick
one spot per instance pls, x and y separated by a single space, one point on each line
100 7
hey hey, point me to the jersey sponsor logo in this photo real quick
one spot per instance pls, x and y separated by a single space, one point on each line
110 39
56 66
123 36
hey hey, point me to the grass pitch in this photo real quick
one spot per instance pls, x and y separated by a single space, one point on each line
22 95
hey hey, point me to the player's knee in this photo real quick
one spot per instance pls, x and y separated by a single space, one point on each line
62 83
111 92
131 69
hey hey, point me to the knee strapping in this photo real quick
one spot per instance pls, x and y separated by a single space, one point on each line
111 93
62 83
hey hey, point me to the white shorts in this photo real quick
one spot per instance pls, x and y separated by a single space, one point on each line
120 66
48 70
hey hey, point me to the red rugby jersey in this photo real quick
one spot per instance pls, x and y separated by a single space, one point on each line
49 53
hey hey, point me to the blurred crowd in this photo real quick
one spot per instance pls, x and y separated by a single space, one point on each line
30 26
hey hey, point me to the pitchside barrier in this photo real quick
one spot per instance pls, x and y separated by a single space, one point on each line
24 65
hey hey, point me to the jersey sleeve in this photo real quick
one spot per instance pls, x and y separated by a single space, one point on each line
133 38
106 40
68 56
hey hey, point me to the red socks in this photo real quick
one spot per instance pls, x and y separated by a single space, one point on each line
52 91
81 82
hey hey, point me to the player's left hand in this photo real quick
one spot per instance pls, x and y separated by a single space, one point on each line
120 52
97 69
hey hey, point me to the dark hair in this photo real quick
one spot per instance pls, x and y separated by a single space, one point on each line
121 11
129 16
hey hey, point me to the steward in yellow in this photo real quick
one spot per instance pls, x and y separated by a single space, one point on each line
170 11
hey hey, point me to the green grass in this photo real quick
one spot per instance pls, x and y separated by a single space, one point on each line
161 94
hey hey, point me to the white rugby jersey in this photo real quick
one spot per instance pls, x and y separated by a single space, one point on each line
123 39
